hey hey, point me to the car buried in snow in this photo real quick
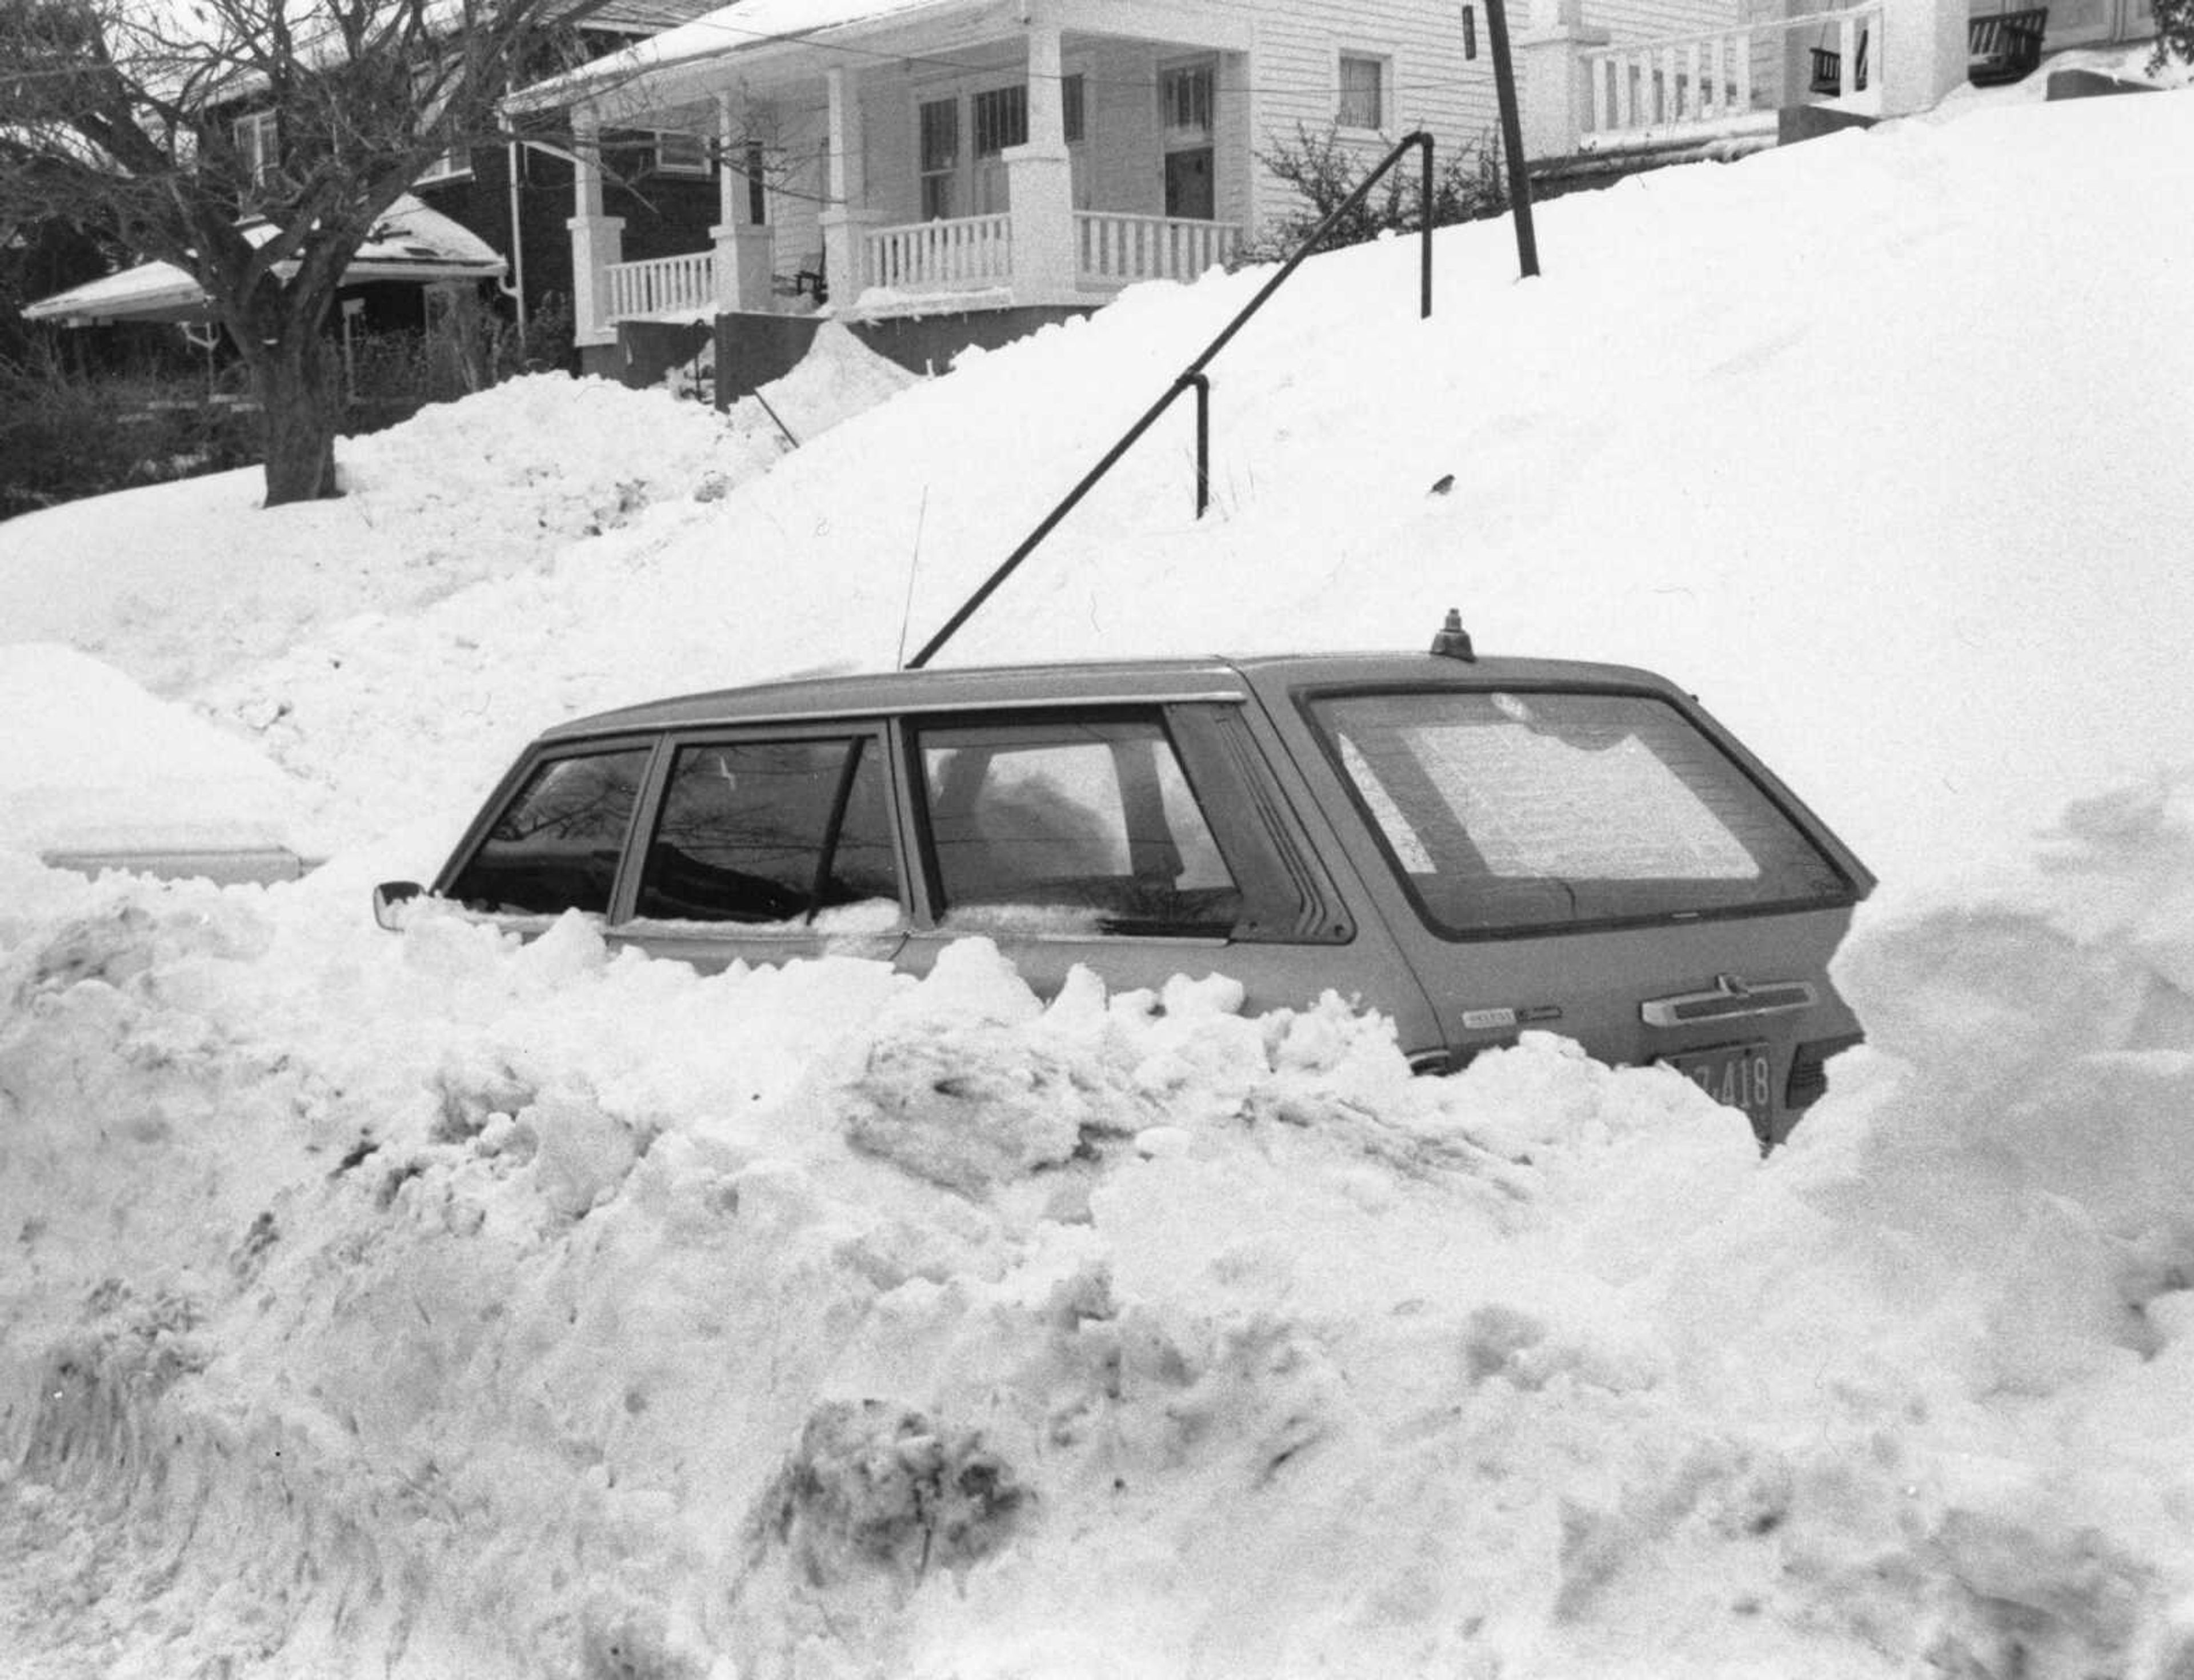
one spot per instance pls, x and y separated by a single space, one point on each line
1475 847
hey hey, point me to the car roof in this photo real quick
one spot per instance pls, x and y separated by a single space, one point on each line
1083 683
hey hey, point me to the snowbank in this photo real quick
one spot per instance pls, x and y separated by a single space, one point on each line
534 1311
91 763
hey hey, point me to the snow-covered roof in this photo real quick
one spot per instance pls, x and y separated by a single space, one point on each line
746 25
410 242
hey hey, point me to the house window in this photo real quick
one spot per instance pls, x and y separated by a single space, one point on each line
1363 92
680 154
1184 102
255 145
940 123
455 161
1073 100
1000 119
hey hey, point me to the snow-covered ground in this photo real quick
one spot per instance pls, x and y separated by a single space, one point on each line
428 1305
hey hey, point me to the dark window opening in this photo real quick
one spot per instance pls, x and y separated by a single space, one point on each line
770 831
554 847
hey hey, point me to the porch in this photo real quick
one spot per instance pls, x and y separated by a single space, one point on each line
954 154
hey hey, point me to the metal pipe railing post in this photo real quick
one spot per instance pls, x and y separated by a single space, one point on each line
1201 381
1425 236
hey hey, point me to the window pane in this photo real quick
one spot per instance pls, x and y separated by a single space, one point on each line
677 153
939 123
1362 89
1073 93
1001 119
1095 820
745 824
1515 810
1185 97
555 845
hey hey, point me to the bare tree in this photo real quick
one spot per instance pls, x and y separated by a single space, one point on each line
126 118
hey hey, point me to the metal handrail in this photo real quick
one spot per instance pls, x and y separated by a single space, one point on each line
1192 378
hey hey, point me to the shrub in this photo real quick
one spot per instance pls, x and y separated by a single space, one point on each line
2175 34
1324 170
65 434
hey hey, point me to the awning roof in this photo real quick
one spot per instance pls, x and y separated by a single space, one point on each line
745 25
410 242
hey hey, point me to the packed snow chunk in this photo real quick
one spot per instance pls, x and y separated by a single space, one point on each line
92 763
581 1155
838 378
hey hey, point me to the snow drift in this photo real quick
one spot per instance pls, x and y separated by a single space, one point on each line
529 1310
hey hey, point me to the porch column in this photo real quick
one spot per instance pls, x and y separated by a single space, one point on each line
744 242
597 240
1551 90
1039 178
1921 52
846 217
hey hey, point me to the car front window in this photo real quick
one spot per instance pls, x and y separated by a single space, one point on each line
1507 812
554 845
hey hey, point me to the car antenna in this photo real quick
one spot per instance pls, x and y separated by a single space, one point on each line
913 566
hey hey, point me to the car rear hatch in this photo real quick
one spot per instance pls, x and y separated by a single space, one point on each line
1600 860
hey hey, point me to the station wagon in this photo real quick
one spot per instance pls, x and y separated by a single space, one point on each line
1477 847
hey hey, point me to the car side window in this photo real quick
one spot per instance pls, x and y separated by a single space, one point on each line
554 845
1074 825
770 831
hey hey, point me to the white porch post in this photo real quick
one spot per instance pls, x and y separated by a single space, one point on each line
1923 54
743 245
597 240
1040 185
1551 91
846 217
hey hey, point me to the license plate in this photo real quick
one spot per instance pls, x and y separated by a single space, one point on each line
1736 1075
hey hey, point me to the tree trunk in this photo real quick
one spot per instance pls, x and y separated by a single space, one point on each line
298 380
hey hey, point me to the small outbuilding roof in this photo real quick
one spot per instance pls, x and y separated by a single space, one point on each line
410 242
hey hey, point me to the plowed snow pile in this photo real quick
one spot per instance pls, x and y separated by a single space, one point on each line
524 1312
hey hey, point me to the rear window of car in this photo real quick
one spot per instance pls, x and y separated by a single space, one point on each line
1071 825
1513 811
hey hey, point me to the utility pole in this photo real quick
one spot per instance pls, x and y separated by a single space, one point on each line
1512 139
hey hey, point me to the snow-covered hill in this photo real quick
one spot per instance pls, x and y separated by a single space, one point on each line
428 1305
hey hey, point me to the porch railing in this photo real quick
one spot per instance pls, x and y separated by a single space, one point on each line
662 285
968 250
1113 246
1650 89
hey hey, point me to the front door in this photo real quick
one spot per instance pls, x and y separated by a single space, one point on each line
1188 185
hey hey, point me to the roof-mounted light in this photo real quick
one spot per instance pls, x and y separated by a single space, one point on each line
1453 641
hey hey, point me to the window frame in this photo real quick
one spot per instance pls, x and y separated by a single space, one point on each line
1308 698
874 740
1382 92
1189 136
947 174
257 137
700 168
521 776
1259 846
